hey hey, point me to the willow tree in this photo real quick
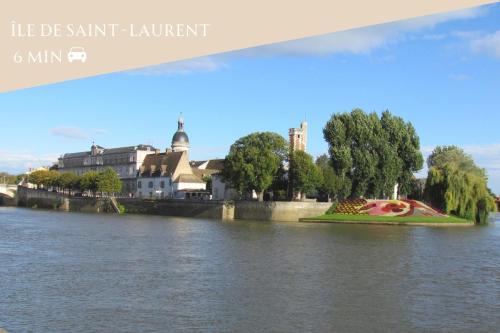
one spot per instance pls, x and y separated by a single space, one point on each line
370 154
456 185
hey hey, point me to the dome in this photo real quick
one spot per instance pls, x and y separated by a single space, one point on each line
180 140
180 137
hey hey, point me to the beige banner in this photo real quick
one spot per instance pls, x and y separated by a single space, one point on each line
51 41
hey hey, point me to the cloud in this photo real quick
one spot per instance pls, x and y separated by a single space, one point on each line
197 65
22 161
69 132
460 77
77 133
356 41
363 40
488 44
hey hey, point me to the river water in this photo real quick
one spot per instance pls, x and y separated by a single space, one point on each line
70 272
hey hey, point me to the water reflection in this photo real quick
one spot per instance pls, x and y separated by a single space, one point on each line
63 272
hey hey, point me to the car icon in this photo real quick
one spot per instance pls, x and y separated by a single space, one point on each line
77 53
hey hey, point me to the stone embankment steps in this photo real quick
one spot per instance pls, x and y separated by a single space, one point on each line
114 205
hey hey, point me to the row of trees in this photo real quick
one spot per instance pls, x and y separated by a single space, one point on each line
258 162
106 181
7 178
368 156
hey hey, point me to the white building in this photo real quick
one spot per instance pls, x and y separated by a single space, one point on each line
213 169
168 174
125 161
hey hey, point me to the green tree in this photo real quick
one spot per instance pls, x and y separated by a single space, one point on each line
331 185
443 155
456 185
370 154
69 181
280 185
304 175
403 138
89 182
44 178
7 178
208 182
109 182
254 160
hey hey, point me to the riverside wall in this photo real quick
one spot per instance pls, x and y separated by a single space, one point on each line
287 211
226 210
182 208
33 198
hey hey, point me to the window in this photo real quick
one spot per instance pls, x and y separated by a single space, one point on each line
162 184
150 184
139 184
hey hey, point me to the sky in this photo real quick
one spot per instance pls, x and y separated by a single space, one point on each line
440 72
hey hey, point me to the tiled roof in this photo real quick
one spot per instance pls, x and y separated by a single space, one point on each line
79 154
217 164
186 178
156 165
204 172
196 164
128 149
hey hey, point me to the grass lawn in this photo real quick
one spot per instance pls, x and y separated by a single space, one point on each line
381 219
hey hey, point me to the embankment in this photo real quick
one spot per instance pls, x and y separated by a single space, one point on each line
32 198
227 210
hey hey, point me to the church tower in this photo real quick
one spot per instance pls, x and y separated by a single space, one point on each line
298 137
180 140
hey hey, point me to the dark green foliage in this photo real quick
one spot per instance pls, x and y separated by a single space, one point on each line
370 154
331 185
304 175
280 185
208 182
254 160
457 186
417 187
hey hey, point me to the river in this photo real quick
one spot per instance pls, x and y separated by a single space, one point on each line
72 272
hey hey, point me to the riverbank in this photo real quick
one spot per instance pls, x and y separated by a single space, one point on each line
389 220
225 210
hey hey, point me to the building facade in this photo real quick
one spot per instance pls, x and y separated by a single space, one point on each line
169 174
125 161
213 168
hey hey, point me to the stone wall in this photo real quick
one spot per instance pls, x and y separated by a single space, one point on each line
278 210
32 198
183 208
228 210
5 201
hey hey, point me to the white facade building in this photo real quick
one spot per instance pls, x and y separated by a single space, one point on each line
125 161
168 174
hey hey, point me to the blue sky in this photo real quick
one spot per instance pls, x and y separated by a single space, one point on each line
440 72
